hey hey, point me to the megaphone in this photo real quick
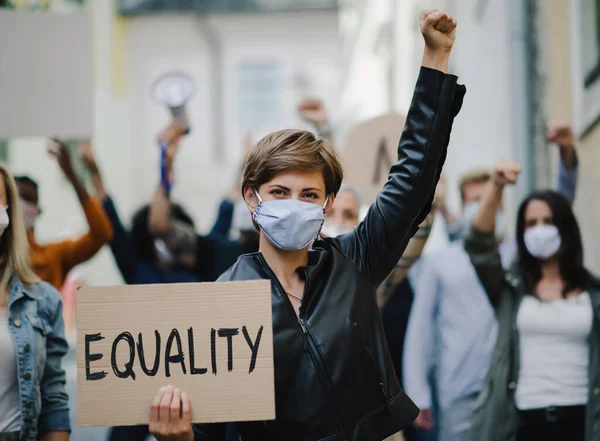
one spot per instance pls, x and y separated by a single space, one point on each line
174 89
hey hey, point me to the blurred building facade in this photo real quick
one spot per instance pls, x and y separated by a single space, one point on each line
382 48
524 65
572 80
251 61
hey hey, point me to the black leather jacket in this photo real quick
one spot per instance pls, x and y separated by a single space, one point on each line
334 379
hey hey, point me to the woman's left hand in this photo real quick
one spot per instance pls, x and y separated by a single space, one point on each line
170 415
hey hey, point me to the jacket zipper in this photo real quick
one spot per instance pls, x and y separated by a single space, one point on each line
379 379
323 377
309 344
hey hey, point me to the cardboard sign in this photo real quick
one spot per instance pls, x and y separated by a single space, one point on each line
370 150
46 74
214 341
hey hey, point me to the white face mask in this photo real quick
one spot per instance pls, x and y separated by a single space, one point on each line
164 255
542 241
334 230
4 220
242 219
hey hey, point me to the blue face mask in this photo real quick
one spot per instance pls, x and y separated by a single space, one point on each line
289 224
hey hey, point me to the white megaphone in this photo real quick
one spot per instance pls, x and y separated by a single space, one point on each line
174 89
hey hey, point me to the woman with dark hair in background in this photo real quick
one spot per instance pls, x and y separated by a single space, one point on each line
544 379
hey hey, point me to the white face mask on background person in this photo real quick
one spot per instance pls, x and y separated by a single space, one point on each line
469 213
4 219
542 241
164 255
30 213
334 230
242 219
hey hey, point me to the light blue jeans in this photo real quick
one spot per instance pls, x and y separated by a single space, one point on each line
456 420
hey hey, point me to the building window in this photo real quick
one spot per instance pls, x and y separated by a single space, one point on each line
260 90
585 25
4 152
591 41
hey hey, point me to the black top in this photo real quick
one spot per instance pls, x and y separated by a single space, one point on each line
334 378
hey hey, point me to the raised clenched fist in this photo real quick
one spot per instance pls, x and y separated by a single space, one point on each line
313 111
561 134
506 172
438 29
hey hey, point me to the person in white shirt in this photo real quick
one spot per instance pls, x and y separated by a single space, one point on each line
544 379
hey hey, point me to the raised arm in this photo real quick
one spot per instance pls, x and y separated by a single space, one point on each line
378 242
313 111
480 242
562 135
74 252
120 245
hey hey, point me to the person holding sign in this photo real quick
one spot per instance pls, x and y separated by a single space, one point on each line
33 400
333 373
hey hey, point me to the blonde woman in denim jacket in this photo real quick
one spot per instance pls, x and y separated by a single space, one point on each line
33 400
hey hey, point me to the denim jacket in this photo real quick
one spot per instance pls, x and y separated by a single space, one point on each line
37 327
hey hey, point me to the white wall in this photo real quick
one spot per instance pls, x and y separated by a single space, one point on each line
128 58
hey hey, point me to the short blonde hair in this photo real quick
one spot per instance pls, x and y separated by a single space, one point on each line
14 250
475 176
292 150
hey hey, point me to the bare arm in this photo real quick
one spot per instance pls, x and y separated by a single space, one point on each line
480 241
61 153
505 173
313 111
87 156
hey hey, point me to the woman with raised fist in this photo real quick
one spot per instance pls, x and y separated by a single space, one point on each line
334 378
544 379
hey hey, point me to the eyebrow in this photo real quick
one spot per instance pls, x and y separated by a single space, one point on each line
282 187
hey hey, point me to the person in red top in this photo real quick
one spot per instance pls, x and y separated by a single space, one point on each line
52 262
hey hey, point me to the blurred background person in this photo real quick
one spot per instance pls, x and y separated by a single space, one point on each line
452 328
33 401
473 184
52 262
141 259
233 220
207 256
544 379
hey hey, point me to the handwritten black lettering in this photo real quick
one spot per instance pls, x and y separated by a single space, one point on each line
193 369
382 162
213 350
178 357
229 333
128 372
140 347
253 346
92 376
